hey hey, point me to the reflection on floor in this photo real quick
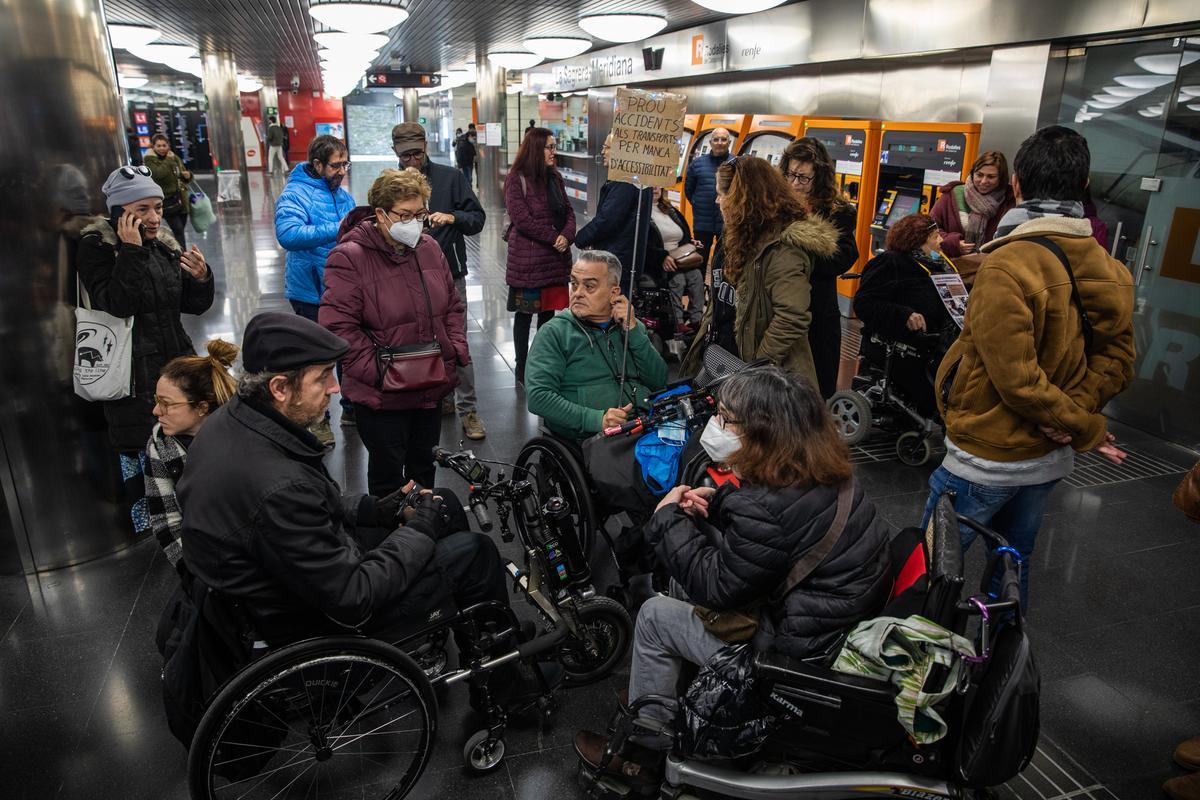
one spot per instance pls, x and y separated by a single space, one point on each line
1116 603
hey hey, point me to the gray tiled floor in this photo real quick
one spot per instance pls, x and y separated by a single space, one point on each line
1115 618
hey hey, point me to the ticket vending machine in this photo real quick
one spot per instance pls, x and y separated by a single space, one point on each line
768 135
690 123
853 144
916 159
736 124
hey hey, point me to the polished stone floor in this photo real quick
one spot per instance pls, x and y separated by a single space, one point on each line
1115 609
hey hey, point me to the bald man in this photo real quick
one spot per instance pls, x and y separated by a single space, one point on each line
700 186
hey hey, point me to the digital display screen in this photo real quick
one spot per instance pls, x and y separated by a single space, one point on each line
903 206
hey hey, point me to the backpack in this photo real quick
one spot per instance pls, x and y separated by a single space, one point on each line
1000 730
204 641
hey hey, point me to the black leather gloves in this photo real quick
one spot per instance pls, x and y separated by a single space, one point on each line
428 514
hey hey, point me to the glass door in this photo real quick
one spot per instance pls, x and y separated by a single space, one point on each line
1138 104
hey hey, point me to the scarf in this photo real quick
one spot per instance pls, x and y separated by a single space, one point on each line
1032 209
982 208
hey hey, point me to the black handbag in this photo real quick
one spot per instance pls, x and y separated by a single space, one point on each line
722 714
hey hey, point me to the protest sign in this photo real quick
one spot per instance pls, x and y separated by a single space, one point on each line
646 130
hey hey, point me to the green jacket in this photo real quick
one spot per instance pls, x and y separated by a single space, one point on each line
570 377
168 174
773 297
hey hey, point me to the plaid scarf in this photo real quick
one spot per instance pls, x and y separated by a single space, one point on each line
982 207
165 459
1032 209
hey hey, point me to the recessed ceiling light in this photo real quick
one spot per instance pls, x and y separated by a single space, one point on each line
514 59
164 53
358 17
737 6
1146 112
1191 90
1124 91
622 27
1102 102
127 35
1194 106
1142 81
557 46
1166 63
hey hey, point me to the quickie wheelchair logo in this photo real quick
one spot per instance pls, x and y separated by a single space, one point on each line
93 349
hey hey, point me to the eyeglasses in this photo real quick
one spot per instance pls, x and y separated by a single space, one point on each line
405 216
166 404
550 148
724 420
128 173
338 166
412 155
797 177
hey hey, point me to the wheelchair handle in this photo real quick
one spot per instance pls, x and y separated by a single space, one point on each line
480 510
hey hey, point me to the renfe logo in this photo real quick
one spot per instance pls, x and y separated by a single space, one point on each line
698 49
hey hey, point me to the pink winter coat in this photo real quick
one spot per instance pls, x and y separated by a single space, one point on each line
533 263
371 286
945 213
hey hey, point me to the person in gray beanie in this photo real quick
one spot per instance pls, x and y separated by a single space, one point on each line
131 266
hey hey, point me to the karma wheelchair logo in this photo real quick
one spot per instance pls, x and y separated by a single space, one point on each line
94 345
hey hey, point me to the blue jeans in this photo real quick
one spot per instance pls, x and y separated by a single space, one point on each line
309 312
1014 512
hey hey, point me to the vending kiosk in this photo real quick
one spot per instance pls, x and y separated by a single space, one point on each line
853 144
690 123
736 124
768 135
916 159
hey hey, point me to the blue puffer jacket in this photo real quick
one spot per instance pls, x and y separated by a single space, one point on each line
307 217
700 186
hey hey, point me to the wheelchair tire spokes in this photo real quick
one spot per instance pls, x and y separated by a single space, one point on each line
606 632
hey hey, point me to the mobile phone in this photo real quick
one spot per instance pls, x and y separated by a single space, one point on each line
115 217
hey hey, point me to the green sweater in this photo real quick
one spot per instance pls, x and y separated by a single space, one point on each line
168 174
570 377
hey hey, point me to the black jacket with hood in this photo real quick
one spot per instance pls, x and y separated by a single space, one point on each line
453 195
270 527
147 283
760 533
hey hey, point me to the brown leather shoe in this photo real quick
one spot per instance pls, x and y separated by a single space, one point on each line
1187 755
1185 787
590 747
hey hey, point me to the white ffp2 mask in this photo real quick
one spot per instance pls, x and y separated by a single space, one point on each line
406 233
719 442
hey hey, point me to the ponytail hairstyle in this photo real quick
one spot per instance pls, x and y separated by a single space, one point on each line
205 379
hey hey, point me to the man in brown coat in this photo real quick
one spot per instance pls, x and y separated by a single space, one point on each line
1047 342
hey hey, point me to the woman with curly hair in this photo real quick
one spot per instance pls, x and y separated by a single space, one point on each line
761 294
807 167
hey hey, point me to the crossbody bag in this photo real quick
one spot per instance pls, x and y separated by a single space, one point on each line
410 367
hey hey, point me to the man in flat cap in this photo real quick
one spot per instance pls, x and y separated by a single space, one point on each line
455 212
265 523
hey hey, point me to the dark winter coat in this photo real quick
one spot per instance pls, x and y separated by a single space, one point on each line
373 291
533 263
765 531
464 152
700 188
452 195
949 220
895 285
147 283
270 527
825 330
614 228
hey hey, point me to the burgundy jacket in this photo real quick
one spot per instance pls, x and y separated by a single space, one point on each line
533 263
369 286
945 214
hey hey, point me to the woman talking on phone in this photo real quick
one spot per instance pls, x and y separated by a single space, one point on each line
131 266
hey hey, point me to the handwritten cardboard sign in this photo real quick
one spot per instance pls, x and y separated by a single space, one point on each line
646 130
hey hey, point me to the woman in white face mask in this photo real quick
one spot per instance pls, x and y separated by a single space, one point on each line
733 549
390 294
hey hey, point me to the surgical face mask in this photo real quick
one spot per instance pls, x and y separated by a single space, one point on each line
719 442
935 255
406 233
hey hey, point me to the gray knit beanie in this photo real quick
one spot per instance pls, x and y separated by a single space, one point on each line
128 184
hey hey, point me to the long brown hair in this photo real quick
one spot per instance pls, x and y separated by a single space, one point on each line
824 197
205 379
758 202
788 437
531 158
992 158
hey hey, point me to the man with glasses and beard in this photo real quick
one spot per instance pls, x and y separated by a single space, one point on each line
308 213
454 213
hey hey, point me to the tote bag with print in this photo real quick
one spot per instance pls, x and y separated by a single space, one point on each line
103 354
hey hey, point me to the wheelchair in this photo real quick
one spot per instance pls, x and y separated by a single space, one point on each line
836 735
873 401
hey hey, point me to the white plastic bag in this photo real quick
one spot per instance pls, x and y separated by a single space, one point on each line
103 368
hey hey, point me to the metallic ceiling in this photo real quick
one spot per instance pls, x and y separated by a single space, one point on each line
274 37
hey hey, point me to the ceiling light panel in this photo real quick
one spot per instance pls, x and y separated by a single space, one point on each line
622 27
555 47
352 17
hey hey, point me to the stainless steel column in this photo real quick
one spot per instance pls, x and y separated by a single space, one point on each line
224 116
1016 84
493 108
411 105
62 124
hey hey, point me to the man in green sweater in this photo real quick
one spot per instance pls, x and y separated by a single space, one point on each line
572 377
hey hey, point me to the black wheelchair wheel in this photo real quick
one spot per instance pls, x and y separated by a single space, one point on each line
608 630
338 716
556 470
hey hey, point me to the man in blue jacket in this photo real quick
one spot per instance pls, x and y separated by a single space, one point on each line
700 187
308 213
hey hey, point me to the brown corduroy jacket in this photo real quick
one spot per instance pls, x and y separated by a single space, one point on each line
1020 361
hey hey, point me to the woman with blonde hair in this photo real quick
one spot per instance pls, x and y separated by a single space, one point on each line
761 297
390 294
188 391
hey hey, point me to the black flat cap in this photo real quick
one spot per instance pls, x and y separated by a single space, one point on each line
279 342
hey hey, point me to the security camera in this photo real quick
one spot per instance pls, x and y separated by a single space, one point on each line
295 83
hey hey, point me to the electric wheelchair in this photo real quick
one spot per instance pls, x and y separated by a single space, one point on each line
836 735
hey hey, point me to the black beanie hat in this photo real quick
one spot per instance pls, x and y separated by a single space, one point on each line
279 342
